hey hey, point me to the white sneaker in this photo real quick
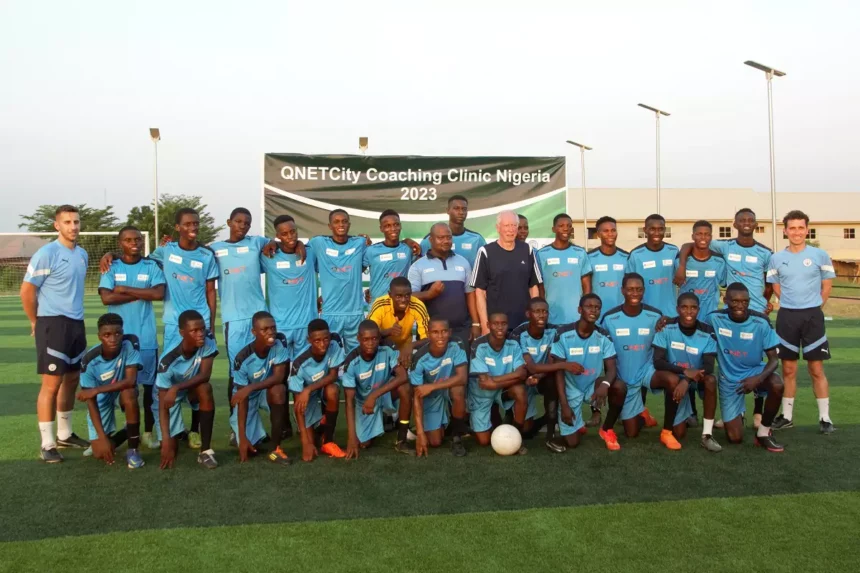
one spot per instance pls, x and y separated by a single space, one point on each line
719 424
88 452
410 437
149 440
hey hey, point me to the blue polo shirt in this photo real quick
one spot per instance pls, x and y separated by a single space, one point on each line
799 275
58 273
465 244
454 272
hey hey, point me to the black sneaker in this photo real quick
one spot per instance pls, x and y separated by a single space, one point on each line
769 443
287 433
234 443
73 441
51 456
523 451
207 459
388 424
826 427
457 447
555 446
781 423
403 448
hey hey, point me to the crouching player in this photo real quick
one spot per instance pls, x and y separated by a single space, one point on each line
632 328
373 378
183 374
258 379
109 370
438 377
686 348
743 337
590 348
496 368
313 382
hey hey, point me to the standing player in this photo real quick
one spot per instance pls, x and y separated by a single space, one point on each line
608 264
260 369
523 229
339 260
109 371
744 337
52 295
313 382
705 274
396 313
184 372
372 378
465 242
440 279
128 289
802 277
239 287
686 347
438 378
631 327
566 270
655 262
588 347
496 369
389 259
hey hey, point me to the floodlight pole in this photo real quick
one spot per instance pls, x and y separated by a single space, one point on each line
155 135
769 74
582 150
657 114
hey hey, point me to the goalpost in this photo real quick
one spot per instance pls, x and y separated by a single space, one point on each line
16 249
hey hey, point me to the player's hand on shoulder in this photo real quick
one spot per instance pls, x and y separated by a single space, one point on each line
416 248
164 240
105 262
680 274
661 324
366 238
269 249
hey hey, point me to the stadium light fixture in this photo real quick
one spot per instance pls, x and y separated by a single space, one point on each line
769 74
362 145
155 135
582 149
657 114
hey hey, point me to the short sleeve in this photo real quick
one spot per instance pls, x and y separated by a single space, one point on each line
772 271
710 345
282 355
210 349
157 255
39 267
376 315
107 280
295 381
365 259
478 366
393 359
630 265
518 359
459 357
348 378
770 337
240 377
587 269
468 282
89 378
156 276
719 247
132 356
211 269
607 348
260 243
415 278
416 375
536 278
480 241
337 357
558 350
164 380
826 266
722 272
422 319
660 339
425 245
480 277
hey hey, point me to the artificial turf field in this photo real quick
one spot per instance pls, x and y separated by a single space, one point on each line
643 508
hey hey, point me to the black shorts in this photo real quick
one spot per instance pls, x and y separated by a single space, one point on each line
802 328
60 344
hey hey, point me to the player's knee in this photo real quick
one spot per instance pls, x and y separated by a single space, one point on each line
434 439
457 394
789 367
518 394
618 391
277 394
734 436
128 398
572 440
483 438
672 381
680 431
332 395
776 386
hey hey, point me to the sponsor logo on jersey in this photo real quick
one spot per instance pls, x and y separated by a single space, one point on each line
601 268
142 278
467 246
221 253
379 367
316 377
446 362
196 265
175 259
386 257
692 274
734 257
622 332
617 267
282 264
107 375
678 345
365 375
807 262
725 332
668 262
349 251
489 361
710 274
577 351
553 261
649 265
644 331
593 349
507 359
746 335
692 350
751 259
332 252
242 250
572 260
120 277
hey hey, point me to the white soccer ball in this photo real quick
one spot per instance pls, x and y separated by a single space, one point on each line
506 440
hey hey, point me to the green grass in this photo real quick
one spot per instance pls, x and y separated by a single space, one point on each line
642 508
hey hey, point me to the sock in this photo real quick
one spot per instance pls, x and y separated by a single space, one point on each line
671 409
64 425
458 427
206 421
230 393
763 431
402 429
691 392
119 437
195 421
824 409
148 417
612 414
787 408
759 405
46 429
644 392
133 435
708 428
276 415
330 425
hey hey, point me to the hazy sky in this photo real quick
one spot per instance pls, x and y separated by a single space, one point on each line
81 83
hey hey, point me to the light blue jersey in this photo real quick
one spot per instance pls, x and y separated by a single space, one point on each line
746 265
307 370
487 360
385 263
799 276
633 337
58 273
340 269
539 350
686 350
589 352
176 368
429 369
608 270
291 289
466 245
186 274
365 376
251 368
98 371
138 317
658 270
562 272
239 284
704 279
